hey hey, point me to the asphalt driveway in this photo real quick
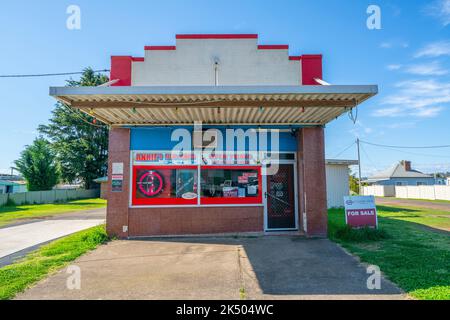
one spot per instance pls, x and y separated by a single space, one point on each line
435 205
275 267
19 239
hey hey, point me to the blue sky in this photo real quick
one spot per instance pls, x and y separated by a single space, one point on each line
409 58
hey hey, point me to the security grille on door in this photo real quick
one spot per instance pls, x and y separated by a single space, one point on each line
280 198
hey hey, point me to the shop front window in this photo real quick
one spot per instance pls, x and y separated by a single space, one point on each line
165 185
230 185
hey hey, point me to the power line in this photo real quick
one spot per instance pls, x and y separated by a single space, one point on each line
415 153
405 147
47 74
367 156
344 150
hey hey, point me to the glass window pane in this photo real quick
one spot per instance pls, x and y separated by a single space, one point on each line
156 183
229 183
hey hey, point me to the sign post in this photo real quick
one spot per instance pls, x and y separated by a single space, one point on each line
360 211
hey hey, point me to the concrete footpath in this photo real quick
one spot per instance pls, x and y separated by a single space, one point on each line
21 238
269 267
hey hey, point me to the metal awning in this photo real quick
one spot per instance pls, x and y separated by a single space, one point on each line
181 105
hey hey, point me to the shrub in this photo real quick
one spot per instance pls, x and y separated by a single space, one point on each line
346 233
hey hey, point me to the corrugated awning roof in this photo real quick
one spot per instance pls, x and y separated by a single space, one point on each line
156 105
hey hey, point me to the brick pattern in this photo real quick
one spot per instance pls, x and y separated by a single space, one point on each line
117 208
312 181
194 220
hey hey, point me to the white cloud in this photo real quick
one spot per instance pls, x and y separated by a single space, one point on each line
393 44
401 125
427 69
440 9
360 130
393 66
434 49
416 98
427 112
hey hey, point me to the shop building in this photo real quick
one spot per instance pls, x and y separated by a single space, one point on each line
198 128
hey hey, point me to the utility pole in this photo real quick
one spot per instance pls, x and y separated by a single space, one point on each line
359 166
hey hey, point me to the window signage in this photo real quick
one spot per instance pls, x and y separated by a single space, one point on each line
164 157
117 183
360 211
189 158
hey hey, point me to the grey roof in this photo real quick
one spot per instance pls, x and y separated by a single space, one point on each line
341 162
398 171
195 90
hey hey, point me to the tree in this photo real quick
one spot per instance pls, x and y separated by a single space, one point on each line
37 165
78 140
354 184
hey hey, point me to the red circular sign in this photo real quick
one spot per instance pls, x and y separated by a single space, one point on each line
151 183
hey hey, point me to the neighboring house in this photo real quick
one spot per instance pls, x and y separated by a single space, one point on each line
401 174
337 172
448 181
7 186
103 186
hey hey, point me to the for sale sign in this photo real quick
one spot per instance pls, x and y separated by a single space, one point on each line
360 211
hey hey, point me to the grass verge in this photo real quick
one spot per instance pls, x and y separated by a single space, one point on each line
16 277
417 259
11 214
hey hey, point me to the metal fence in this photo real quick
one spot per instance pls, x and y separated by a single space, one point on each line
51 196
436 192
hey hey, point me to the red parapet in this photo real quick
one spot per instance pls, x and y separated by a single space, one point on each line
160 48
216 36
274 47
121 70
311 68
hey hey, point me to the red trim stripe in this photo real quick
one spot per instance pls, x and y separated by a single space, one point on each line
274 47
216 36
295 58
137 59
160 48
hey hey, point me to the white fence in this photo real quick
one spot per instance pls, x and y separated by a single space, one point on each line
436 192
51 196
379 191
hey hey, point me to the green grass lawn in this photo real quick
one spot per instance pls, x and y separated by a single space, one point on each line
412 249
10 214
35 266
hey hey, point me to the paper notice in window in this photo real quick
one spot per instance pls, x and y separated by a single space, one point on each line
252 190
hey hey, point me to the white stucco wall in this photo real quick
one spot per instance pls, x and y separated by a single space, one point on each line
337 184
240 63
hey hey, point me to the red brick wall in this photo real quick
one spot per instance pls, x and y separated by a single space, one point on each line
312 181
194 220
117 208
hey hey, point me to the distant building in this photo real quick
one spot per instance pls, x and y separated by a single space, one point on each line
337 173
7 186
103 181
401 174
